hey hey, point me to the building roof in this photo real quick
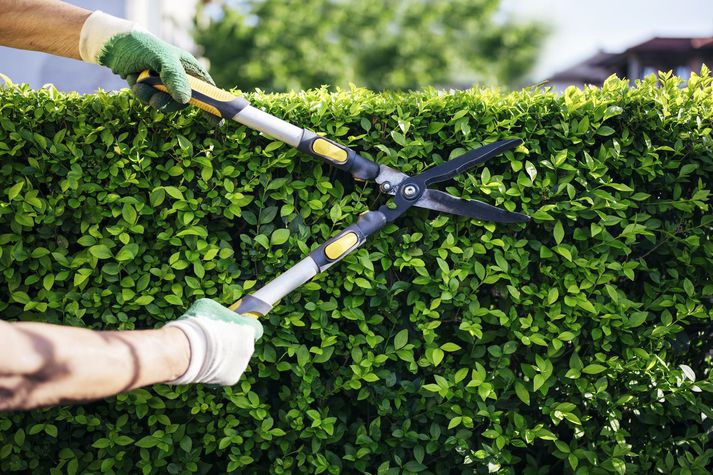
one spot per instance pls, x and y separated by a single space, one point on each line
597 67
589 70
672 45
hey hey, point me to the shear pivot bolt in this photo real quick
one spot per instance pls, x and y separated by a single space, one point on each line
386 187
410 191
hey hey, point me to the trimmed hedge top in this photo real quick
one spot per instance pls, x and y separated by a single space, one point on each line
575 343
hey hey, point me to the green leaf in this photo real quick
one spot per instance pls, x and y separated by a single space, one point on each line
573 461
128 252
455 422
20 297
262 240
400 339
24 219
522 392
545 434
605 130
363 283
566 336
450 347
586 305
620 187
157 197
636 319
552 295
302 356
558 232
531 170
81 276
87 241
144 300
509 347
14 190
48 281
173 299
174 192
102 443
437 356
124 440
415 467
688 287
51 430
129 213
19 437
593 369
185 144
100 251
274 145
279 236
186 443
562 447
564 252
688 372
147 442
501 262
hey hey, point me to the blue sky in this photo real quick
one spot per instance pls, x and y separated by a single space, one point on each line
580 28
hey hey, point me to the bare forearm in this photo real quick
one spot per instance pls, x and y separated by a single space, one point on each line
49 364
42 25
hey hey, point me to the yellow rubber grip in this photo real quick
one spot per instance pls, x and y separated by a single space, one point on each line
327 149
235 307
210 90
336 249
215 94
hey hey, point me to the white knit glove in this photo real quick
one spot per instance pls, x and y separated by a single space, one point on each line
221 342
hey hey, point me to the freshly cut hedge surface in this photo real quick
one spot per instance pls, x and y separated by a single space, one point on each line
576 343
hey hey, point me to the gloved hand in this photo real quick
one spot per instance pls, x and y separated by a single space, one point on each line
221 342
127 50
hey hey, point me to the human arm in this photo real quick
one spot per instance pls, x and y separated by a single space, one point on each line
42 25
55 27
43 364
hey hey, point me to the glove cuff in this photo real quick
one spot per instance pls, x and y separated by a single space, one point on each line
97 30
221 343
197 343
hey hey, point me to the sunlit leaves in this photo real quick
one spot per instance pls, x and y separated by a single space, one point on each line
576 341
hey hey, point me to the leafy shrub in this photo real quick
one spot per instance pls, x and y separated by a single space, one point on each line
269 44
576 343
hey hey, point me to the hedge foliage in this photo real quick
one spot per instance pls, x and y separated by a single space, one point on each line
575 343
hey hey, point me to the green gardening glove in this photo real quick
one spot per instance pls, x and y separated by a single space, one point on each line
127 50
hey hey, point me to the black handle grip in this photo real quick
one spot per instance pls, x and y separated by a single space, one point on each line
345 242
338 155
206 96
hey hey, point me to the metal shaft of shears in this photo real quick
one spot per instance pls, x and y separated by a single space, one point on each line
322 258
223 104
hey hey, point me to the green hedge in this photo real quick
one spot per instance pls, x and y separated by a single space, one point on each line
576 343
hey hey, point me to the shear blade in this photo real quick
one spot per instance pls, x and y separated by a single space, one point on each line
447 203
447 170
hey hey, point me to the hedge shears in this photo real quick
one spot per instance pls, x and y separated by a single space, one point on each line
407 191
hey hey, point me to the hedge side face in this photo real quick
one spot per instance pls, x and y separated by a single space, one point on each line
575 343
